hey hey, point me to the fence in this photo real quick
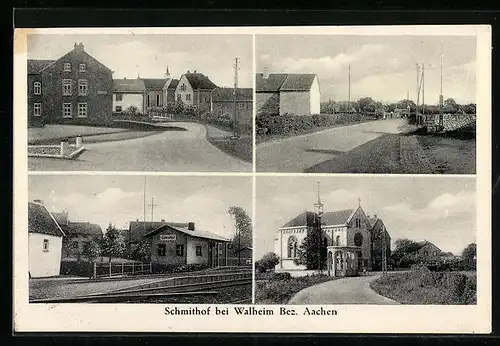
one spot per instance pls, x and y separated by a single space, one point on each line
121 269
243 261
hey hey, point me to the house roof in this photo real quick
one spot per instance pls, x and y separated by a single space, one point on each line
244 248
36 65
173 84
154 83
298 82
305 218
227 94
200 81
421 244
338 217
184 229
79 49
138 229
82 228
271 84
61 218
41 221
128 85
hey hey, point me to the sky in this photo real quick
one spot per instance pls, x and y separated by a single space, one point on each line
120 199
440 210
149 55
382 67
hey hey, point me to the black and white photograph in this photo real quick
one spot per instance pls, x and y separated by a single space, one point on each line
366 104
140 239
373 240
145 102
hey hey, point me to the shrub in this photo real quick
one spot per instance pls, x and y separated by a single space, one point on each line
81 268
159 268
281 276
267 262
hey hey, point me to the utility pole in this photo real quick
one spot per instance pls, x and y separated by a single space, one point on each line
384 254
349 92
441 93
239 247
236 133
423 91
152 205
319 211
144 207
417 95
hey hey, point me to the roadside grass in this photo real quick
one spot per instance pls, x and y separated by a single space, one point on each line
280 290
421 286
238 147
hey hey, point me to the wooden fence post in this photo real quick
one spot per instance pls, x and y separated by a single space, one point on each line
150 267
95 271
123 265
133 268
109 269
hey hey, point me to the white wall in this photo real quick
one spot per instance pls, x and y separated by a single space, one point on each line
315 94
188 91
129 100
191 245
281 246
364 230
44 263
295 102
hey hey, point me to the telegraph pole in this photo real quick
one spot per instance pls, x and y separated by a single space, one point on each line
417 95
235 118
349 92
152 205
384 254
423 91
441 93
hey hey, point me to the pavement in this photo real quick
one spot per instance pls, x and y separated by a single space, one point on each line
296 154
170 151
351 290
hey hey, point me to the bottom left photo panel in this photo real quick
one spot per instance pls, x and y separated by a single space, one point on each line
140 239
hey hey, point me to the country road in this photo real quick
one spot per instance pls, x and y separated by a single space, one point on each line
296 154
170 151
352 290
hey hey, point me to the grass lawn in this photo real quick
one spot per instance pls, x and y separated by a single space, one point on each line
280 291
450 155
423 287
221 138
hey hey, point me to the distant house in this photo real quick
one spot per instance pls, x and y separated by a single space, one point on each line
44 242
223 103
195 89
379 234
74 89
179 245
128 92
281 93
245 255
428 250
78 236
169 88
154 91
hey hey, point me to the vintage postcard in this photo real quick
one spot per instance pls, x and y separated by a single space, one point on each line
253 179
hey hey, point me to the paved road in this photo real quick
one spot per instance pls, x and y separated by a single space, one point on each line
353 290
296 154
170 151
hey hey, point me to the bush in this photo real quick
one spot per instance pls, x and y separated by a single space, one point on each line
267 262
81 268
281 276
159 268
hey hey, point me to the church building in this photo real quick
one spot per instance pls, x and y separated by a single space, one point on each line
346 239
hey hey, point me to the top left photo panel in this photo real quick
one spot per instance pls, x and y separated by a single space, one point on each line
139 102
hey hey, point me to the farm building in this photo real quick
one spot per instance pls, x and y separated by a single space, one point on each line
195 89
223 103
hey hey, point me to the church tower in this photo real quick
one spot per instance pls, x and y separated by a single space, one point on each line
318 206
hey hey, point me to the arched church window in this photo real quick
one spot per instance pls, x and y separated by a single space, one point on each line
358 239
292 247
325 242
337 240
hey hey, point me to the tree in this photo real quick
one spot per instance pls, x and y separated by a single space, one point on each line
307 252
113 244
142 252
469 255
469 109
450 106
267 262
404 104
91 250
132 110
366 104
404 248
242 226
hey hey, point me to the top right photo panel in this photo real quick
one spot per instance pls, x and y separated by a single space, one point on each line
401 104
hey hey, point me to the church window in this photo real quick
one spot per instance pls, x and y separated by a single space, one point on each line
358 239
292 247
337 241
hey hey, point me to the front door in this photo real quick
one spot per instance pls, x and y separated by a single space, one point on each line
210 254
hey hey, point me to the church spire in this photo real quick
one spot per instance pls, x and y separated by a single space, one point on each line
167 73
319 205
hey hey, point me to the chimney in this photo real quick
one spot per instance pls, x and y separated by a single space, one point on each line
39 201
137 220
194 71
79 47
265 75
188 71
162 220
125 78
191 226
375 216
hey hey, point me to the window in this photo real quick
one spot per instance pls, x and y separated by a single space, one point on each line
249 105
157 100
37 109
337 241
66 110
66 84
241 105
148 100
183 87
179 97
292 247
188 97
67 67
82 87
45 245
82 110
179 250
358 223
207 98
198 251
118 97
81 67
358 239
161 250
118 109
37 88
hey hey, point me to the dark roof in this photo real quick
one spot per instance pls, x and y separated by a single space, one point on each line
227 94
128 85
305 218
338 217
173 84
35 65
421 244
298 82
154 83
184 229
244 248
41 221
139 228
200 81
271 84
82 228
61 218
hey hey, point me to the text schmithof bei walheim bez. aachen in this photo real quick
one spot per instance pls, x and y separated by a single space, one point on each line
249 311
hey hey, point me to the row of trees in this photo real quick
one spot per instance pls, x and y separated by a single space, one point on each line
368 105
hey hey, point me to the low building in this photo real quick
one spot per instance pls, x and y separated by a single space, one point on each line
195 89
223 103
78 236
127 93
175 245
44 242
428 251
154 91
242 256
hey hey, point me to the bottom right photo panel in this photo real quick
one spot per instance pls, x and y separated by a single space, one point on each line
365 240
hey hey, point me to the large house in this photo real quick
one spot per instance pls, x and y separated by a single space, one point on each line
346 237
223 102
44 241
74 89
287 93
195 89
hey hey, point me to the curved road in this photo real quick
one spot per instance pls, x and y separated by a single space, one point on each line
170 151
296 154
352 290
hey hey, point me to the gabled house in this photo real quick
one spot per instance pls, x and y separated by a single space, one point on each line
44 241
74 89
428 251
379 237
195 89
127 93
78 236
288 93
223 103
154 91
169 88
